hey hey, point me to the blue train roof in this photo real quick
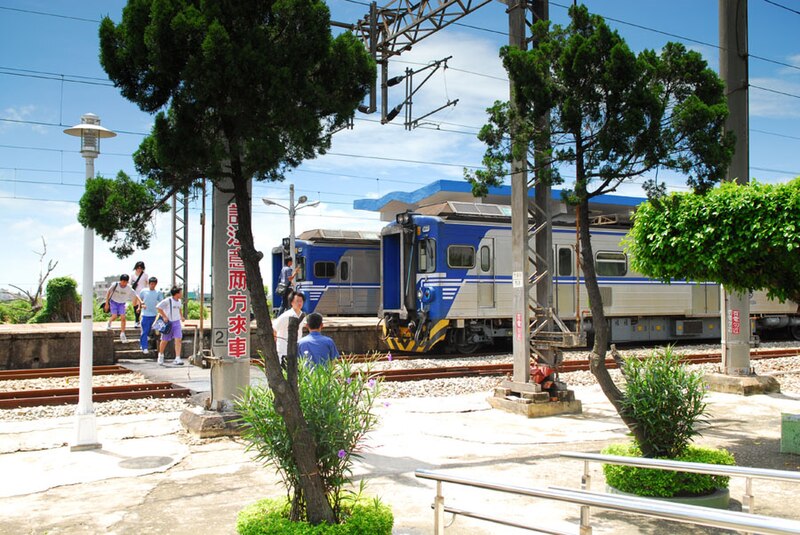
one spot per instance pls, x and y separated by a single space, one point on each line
460 190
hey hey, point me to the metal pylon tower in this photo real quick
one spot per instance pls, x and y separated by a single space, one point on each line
180 243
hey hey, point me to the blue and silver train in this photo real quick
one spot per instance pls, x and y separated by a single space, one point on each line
339 271
447 280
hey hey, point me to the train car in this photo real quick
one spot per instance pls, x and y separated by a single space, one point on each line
339 271
447 280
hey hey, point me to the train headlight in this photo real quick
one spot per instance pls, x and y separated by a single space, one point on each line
419 295
404 218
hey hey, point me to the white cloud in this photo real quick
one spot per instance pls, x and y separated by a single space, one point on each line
772 105
21 113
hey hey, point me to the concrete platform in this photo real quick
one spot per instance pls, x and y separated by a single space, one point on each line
51 345
153 478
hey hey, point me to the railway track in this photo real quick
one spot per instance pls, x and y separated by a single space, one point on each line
44 373
69 396
417 374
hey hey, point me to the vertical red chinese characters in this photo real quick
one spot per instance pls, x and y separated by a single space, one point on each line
238 306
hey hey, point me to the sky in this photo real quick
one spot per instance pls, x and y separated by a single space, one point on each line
50 75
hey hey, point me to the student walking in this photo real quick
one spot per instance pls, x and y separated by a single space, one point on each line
150 299
139 284
315 346
280 328
170 310
117 298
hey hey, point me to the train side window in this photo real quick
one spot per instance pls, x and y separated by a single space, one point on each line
461 256
427 256
324 270
564 262
486 259
611 264
301 271
344 271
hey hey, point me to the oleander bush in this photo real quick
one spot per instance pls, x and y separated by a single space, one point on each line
666 400
666 483
338 406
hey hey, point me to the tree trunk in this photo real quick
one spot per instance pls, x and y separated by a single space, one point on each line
287 401
597 357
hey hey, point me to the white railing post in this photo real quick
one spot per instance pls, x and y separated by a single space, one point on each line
438 511
586 484
748 501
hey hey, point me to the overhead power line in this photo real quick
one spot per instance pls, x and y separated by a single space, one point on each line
43 13
776 4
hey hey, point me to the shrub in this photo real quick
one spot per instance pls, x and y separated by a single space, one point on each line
193 310
665 483
665 399
338 409
17 311
271 517
62 302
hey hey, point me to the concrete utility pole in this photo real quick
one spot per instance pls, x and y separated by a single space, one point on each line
735 307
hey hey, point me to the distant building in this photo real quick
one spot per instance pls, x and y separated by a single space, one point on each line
101 287
8 295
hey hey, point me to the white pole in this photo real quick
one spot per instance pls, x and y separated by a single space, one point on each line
291 226
86 425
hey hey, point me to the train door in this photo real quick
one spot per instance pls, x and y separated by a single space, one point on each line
346 284
565 281
486 279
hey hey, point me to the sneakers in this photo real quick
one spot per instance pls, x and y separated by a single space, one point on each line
122 337
178 361
108 326
137 325
145 351
160 360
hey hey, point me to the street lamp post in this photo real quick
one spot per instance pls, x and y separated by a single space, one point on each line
90 133
292 209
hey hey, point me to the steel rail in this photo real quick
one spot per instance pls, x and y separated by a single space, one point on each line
44 373
67 396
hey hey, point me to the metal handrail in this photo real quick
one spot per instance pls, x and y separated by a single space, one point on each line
691 514
749 473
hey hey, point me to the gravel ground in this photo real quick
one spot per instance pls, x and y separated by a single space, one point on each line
787 371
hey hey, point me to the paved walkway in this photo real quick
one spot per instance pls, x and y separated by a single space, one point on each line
150 477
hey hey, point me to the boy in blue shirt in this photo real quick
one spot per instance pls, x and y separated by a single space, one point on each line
315 346
150 299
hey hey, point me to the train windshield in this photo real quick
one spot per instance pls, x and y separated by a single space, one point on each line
427 256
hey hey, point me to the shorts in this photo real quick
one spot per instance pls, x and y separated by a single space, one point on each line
117 308
174 332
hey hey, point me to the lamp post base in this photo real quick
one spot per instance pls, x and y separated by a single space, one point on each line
86 436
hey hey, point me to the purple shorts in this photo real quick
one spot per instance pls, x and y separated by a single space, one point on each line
117 308
175 332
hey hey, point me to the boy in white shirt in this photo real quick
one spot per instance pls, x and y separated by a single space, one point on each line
117 298
280 327
171 311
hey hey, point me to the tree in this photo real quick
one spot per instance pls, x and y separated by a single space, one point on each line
613 115
63 304
240 90
35 298
744 237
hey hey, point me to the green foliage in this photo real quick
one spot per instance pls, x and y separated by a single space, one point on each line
665 483
583 98
17 311
744 237
62 302
271 517
98 314
237 92
109 206
338 408
193 309
665 399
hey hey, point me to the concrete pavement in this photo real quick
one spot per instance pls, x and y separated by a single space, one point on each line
151 477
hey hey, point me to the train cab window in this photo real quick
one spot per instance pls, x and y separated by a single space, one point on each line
344 271
564 262
427 256
611 264
461 256
486 259
301 269
324 270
